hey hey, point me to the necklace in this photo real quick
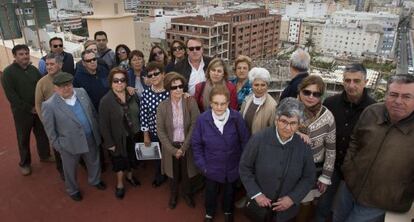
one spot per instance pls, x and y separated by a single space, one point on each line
157 90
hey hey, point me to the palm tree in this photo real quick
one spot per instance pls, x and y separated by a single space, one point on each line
309 44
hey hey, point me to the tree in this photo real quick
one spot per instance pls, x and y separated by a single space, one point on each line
309 44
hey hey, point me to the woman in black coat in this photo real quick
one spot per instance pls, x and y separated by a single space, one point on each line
119 126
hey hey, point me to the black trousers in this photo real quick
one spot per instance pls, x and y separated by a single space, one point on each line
180 175
24 123
212 191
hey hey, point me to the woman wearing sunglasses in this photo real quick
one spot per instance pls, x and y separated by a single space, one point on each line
318 130
177 52
122 54
119 125
175 119
158 54
151 98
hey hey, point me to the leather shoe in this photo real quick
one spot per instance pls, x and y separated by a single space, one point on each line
208 218
120 193
133 181
189 201
228 217
76 196
173 202
100 186
26 170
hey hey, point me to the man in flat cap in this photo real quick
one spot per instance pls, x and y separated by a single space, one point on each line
71 124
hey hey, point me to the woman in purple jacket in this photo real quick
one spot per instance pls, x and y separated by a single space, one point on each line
217 141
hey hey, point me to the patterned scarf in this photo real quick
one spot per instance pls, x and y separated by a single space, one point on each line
126 115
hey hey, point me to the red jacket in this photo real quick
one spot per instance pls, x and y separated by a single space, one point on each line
199 95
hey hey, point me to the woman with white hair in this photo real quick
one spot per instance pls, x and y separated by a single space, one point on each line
259 108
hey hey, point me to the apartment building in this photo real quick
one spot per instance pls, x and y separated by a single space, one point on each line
253 32
312 29
145 7
215 35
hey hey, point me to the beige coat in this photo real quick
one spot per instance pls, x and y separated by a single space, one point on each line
265 114
166 132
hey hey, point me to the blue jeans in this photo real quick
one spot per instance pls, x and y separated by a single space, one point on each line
348 210
325 201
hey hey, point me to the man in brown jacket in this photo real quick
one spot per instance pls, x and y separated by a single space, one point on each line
378 167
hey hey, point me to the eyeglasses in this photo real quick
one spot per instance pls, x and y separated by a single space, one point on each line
153 74
90 60
284 123
197 48
178 48
157 54
121 52
58 46
181 86
309 93
119 81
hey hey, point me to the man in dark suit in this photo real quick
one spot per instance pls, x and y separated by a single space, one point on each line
193 67
71 124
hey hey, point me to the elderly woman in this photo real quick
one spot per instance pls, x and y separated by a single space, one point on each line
158 54
122 54
242 65
137 81
216 74
176 117
151 98
258 110
277 167
119 125
177 52
218 140
318 130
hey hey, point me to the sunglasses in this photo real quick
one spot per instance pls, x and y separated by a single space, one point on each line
181 86
178 48
58 46
153 74
90 60
309 93
157 53
196 48
121 52
119 81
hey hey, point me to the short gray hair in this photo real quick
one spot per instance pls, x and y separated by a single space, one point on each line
290 107
56 57
259 73
400 78
300 60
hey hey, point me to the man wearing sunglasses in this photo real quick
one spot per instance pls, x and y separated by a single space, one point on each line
56 47
346 108
194 66
298 68
92 76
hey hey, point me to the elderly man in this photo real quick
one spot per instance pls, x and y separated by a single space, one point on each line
346 108
72 127
56 47
194 66
298 68
105 53
378 166
19 82
92 77
45 89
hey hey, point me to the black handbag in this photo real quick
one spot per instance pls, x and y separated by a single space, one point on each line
257 213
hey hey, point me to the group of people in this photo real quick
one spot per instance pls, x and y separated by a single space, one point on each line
293 155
